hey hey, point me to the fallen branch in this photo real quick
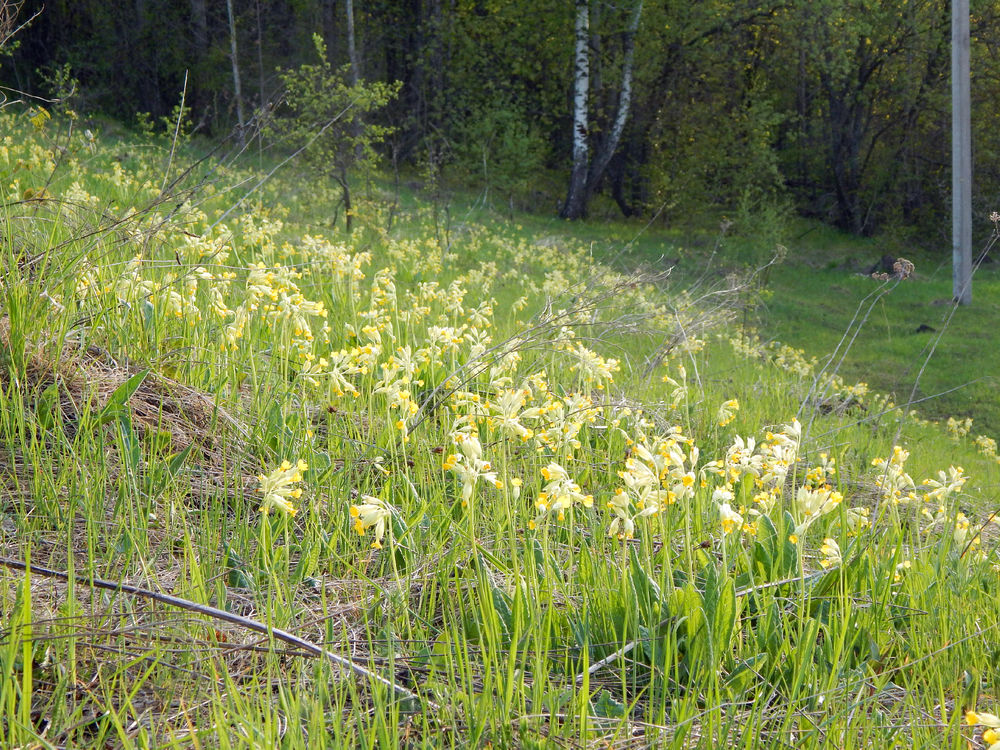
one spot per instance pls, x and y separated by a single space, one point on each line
221 614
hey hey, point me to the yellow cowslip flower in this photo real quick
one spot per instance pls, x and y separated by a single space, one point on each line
554 472
469 445
277 490
515 484
626 526
373 512
559 494
727 412
624 523
742 458
986 445
900 569
469 465
731 520
813 503
857 519
831 553
946 484
972 718
958 428
508 411
961 532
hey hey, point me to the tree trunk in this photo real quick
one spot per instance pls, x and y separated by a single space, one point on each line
346 195
352 50
237 89
329 13
352 54
610 144
261 94
576 200
199 23
846 132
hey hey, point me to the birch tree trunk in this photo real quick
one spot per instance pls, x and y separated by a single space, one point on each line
237 88
576 200
610 144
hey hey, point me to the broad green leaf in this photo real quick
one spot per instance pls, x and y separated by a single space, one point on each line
176 462
647 590
117 401
607 707
723 618
237 575
687 603
744 675
765 549
47 406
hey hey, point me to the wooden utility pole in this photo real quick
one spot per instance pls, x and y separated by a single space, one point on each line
961 155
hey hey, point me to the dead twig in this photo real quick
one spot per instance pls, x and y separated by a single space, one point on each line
220 614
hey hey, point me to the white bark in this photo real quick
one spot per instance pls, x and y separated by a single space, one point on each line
602 159
575 201
237 88
581 84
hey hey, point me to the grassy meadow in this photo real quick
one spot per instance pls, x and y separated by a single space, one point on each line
457 479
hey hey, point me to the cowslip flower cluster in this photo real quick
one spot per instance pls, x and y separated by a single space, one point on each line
743 459
958 523
397 377
833 389
893 481
657 474
947 484
895 484
958 428
731 520
561 423
679 392
831 553
277 489
530 413
593 368
559 494
373 512
764 464
816 497
469 466
987 446
727 412
507 411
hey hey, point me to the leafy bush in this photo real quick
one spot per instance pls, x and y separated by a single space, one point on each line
326 118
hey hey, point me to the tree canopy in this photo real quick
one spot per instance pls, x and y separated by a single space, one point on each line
839 108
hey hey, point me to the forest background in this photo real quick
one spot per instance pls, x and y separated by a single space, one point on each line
836 109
